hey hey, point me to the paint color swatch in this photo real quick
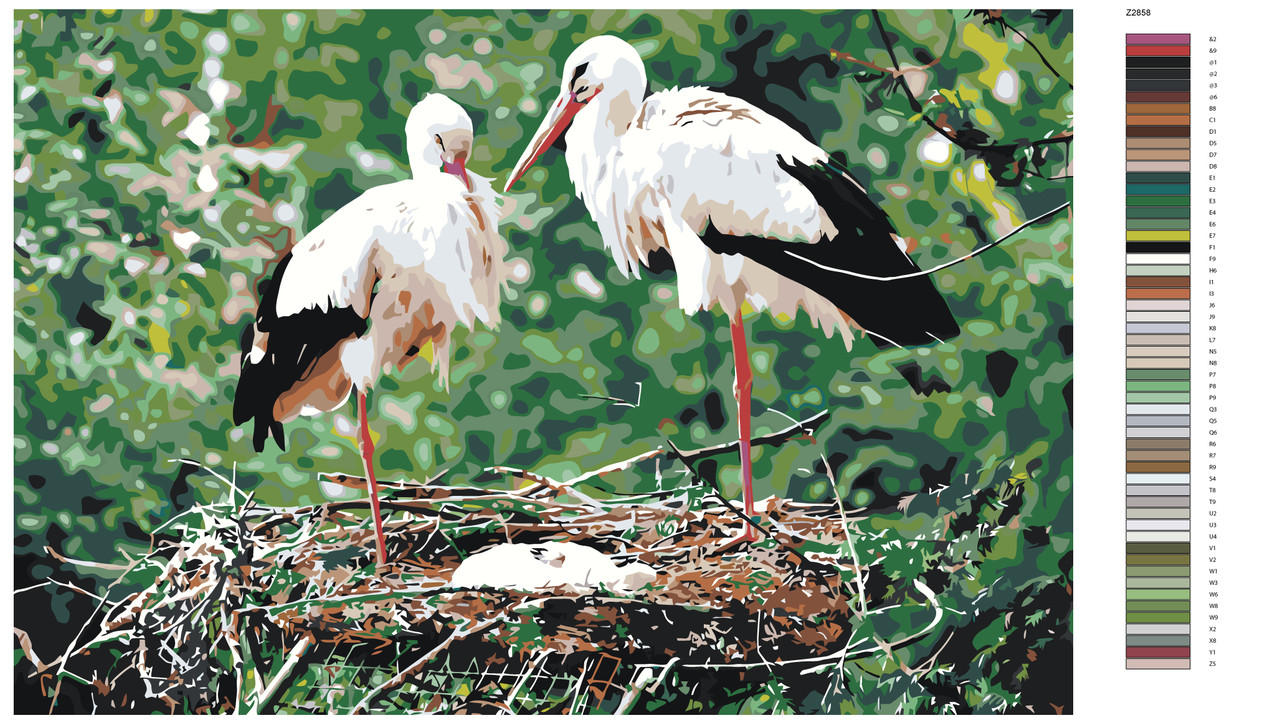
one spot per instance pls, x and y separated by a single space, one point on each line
1158 352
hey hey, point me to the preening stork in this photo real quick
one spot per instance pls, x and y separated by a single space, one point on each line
387 275
750 211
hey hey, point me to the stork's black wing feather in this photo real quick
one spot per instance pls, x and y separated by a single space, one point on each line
904 312
294 344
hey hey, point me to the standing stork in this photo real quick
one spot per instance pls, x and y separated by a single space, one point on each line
385 276
750 211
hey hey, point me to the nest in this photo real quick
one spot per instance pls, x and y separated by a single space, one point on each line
258 608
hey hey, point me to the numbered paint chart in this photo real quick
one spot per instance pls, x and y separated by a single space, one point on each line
1158 351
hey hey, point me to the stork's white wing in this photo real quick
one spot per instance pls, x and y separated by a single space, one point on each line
332 266
714 155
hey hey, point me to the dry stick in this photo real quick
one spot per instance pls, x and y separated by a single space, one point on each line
844 522
982 249
712 489
404 675
887 647
928 664
802 560
603 398
774 439
841 55
295 655
553 484
24 640
62 667
85 563
534 664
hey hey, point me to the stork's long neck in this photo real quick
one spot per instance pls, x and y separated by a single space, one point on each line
593 139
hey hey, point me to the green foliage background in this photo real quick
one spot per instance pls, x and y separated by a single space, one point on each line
126 327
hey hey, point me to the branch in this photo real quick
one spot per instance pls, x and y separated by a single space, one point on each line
848 57
24 641
841 55
861 612
404 675
897 70
950 135
774 439
290 663
84 563
711 487
953 262
1005 24
263 139
566 488
615 400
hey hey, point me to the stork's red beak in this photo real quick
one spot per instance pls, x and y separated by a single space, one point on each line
459 168
557 120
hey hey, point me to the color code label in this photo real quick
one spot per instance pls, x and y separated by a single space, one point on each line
1158 351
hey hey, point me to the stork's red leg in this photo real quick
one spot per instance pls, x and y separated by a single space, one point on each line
366 453
742 392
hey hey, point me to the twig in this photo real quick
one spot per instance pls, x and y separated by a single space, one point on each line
60 583
716 492
557 486
945 133
62 667
848 57
615 400
194 463
897 70
534 664
808 426
24 641
928 664
1005 24
841 55
404 675
84 563
774 439
853 552
940 267
886 647
295 655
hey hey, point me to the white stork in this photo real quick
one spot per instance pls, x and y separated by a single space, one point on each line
750 211
385 276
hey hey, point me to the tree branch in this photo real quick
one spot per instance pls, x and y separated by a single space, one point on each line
404 675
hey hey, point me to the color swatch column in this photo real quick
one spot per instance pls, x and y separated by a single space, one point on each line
1158 352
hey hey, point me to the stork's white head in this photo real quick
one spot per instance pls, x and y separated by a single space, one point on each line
438 133
604 71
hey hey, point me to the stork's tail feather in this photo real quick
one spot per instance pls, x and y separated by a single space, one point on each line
278 353
256 393
902 312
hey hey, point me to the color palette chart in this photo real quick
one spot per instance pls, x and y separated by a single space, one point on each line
1158 351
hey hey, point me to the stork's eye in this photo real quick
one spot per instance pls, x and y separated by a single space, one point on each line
577 82
439 141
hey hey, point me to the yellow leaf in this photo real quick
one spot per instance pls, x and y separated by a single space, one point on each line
971 95
159 337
